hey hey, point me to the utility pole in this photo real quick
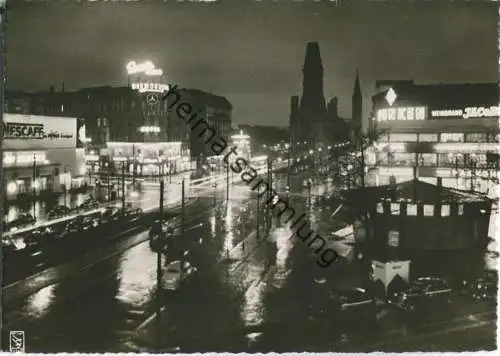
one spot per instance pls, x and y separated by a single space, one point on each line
270 186
134 165
65 185
158 266
123 185
258 216
472 175
215 193
183 221
227 183
3 19
34 182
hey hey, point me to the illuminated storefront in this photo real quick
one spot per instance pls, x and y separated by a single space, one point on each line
448 131
40 155
149 159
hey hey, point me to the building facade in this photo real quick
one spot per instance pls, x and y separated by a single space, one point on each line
211 110
40 155
445 130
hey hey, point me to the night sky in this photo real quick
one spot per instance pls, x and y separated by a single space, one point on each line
251 51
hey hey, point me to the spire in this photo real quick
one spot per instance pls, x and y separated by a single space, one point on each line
313 58
357 103
312 82
357 86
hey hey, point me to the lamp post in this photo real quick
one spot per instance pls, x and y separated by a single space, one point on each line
288 167
65 185
227 182
158 264
269 221
33 184
123 185
183 222
258 216
215 193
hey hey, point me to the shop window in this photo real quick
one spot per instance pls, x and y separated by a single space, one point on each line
494 137
395 209
403 159
476 137
428 210
403 137
427 159
445 210
411 209
451 137
428 137
451 159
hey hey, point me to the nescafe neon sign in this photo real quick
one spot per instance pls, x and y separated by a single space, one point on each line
17 130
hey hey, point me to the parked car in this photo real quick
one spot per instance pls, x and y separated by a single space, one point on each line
424 292
82 223
59 212
23 220
176 274
355 304
110 214
89 204
483 288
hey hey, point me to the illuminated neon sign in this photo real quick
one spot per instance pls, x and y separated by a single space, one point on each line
401 114
149 129
150 87
469 112
147 67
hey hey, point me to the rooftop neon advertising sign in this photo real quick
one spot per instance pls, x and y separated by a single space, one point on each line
468 113
402 114
146 68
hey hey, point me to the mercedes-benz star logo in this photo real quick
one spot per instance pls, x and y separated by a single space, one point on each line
152 99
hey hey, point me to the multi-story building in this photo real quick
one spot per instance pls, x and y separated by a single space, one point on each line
40 155
214 110
443 130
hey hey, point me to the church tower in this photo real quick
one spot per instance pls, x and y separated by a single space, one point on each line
357 104
312 102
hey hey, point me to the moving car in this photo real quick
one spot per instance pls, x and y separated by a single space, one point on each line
176 274
59 212
422 293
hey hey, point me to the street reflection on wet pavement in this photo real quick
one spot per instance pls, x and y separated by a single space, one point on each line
241 301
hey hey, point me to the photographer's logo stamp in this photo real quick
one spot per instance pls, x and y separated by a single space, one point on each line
16 341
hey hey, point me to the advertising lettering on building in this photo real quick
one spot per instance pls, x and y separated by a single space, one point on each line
420 113
38 132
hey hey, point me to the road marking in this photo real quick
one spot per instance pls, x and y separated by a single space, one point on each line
148 320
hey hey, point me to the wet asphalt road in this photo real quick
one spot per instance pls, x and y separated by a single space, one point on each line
239 303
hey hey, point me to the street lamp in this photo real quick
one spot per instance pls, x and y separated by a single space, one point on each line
34 186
